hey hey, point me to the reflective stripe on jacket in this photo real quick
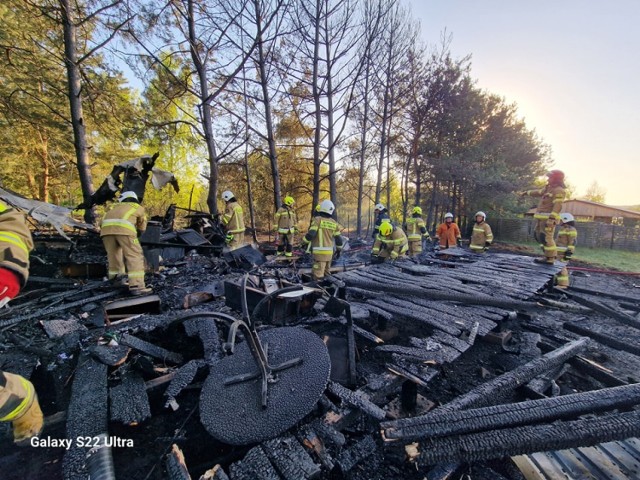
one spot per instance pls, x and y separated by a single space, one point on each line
416 229
550 205
567 238
322 234
395 242
15 242
285 220
126 218
233 219
480 236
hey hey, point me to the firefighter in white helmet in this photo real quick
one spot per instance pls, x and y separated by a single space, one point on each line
119 230
566 241
481 236
18 400
382 215
324 238
233 221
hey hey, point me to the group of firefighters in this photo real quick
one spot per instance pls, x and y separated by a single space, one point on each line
123 223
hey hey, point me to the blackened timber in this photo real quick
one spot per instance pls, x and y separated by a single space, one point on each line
420 375
492 391
129 400
442 355
603 338
207 330
366 334
183 377
215 473
467 316
416 315
450 340
357 399
440 424
604 309
481 446
176 465
150 349
353 455
310 439
290 458
111 356
328 433
599 293
254 466
87 414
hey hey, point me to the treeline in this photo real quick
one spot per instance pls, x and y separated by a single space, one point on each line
314 98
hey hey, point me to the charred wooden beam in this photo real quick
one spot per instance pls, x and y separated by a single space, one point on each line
492 391
290 458
254 466
418 374
406 310
183 377
129 400
327 432
600 293
207 330
441 355
176 465
604 309
111 356
441 424
603 338
310 439
215 473
351 456
357 399
531 438
150 349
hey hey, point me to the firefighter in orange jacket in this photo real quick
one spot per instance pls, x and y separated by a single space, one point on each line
119 231
448 233
566 244
548 213
321 237
391 242
416 231
18 400
481 236
233 221
287 225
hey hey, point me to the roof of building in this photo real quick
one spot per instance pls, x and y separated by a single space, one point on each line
585 208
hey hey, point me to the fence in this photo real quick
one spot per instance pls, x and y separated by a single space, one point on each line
590 234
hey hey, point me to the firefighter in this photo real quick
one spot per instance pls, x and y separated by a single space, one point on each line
120 229
416 231
566 244
482 236
233 221
448 233
287 225
391 242
548 213
322 237
18 399
382 215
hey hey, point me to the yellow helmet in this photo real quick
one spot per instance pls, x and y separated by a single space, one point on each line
417 210
317 207
288 200
385 229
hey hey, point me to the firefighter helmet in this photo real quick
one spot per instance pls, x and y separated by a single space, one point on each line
417 210
385 229
379 207
448 215
481 214
227 195
556 176
129 194
288 200
566 217
327 206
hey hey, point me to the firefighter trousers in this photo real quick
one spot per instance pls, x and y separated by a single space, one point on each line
415 247
123 252
321 266
544 234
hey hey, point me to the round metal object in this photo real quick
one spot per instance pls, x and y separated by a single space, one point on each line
233 414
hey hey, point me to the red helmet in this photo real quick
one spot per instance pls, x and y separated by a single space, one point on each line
556 176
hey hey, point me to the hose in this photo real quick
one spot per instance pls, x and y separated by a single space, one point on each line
99 461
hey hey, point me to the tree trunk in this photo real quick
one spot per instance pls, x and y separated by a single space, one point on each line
264 83
75 107
333 191
363 146
205 112
317 161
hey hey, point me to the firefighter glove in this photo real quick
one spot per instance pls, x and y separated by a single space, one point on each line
9 286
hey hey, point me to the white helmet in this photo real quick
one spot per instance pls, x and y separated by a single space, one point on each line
481 214
448 215
227 195
129 194
379 207
327 206
566 217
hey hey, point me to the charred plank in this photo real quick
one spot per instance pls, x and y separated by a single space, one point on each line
602 338
254 466
290 458
357 399
150 349
129 400
351 456
176 465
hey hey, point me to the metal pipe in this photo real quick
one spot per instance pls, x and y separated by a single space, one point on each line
99 461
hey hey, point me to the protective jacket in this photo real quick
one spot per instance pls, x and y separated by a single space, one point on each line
550 204
566 239
382 216
480 236
416 229
392 245
15 242
286 220
19 405
126 218
323 233
448 234
233 219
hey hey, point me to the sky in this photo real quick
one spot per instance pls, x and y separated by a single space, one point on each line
573 69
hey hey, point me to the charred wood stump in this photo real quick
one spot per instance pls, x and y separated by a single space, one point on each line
439 423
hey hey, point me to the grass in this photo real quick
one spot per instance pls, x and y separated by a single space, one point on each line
621 260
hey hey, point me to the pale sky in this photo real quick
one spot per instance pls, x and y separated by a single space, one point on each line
573 69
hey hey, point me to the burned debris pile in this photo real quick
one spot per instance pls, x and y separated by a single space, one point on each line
239 367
